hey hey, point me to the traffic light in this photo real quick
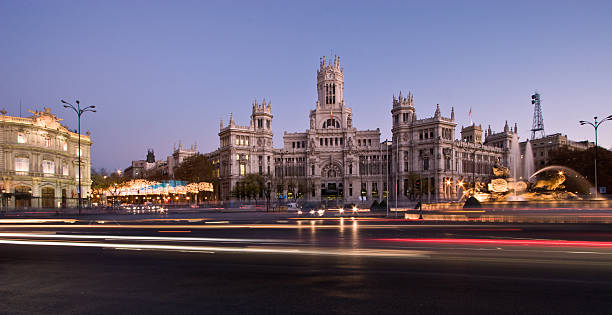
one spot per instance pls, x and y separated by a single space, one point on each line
417 184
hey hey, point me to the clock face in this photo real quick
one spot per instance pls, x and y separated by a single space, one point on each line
330 76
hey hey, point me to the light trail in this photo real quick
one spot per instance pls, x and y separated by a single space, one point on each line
477 241
214 249
12 221
142 238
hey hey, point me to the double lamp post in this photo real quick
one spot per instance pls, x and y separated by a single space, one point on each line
79 111
595 125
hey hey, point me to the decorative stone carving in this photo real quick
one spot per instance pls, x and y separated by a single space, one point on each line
331 171
46 119
498 185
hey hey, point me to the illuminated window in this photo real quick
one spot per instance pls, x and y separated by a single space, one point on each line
22 164
241 140
246 141
65 146
242 169
48 167
79 151
65 170
237 157
21 138
246 157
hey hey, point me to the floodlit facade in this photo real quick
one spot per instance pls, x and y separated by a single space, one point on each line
542 147
335 161
39 162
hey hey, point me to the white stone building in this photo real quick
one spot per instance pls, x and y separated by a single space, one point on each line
334 161
39 162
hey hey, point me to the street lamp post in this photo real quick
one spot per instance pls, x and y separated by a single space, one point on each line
595 125
388 184
79 111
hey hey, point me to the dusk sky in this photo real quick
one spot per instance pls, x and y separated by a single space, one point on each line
163 71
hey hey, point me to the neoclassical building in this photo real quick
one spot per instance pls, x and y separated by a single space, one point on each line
39 162
333 160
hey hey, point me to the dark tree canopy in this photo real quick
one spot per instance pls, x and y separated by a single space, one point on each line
100 179
195 169
583 162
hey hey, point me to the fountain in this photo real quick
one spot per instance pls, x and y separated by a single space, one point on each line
515 169
528 164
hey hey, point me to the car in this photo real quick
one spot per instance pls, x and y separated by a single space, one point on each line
351 209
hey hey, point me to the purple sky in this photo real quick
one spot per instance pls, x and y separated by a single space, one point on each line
160 71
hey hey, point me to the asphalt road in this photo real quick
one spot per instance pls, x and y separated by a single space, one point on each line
280 266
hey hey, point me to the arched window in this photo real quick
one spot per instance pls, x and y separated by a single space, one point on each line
331 123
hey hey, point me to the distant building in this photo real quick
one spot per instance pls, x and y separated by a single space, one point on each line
39 162
178 156
543 147
150 167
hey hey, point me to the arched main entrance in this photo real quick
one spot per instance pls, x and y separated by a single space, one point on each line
23 197
332 185
48 197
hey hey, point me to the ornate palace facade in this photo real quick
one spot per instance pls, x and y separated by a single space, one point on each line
333 160
39 162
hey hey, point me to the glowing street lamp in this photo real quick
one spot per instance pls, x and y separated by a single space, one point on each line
595 125
79 111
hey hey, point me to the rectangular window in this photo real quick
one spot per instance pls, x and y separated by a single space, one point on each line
65 146
48 167
47 142
22 164
326 142
350 190
242 169
268 123
237 157
21 138
65 170
321 142
425 164
237 140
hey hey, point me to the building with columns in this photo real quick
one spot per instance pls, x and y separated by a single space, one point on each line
39 162
334 161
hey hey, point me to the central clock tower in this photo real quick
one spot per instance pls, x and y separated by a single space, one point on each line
330 84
